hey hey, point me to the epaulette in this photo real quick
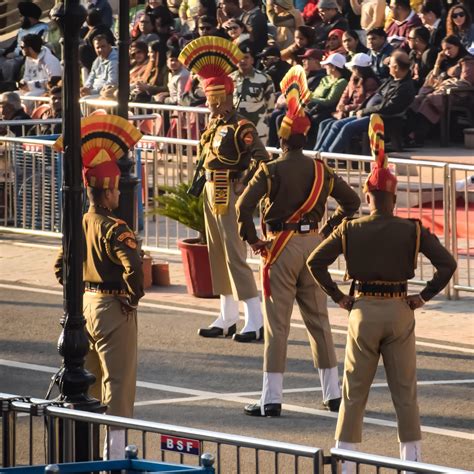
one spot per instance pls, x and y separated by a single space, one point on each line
117 220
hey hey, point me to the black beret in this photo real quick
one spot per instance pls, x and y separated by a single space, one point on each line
29 9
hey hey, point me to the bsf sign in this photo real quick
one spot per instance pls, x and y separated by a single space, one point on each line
180 445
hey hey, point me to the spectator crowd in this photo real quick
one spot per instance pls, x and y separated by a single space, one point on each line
397 58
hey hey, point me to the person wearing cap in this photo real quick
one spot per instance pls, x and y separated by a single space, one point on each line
334 43
272 65
11 58
381 253
392 98
286 18
229 151
332 19
325 97
112 272
379 50
362 85
294 189
254 92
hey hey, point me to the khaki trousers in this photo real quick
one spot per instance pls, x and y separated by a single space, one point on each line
112 356
230 272
290 279
379 326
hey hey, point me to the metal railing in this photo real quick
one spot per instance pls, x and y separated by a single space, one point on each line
53 440
425 192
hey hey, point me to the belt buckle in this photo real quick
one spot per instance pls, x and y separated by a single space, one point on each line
304 226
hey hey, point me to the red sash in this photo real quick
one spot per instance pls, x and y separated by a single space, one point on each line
283 237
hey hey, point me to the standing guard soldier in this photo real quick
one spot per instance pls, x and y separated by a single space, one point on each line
381 252
228 152
295 189
112 272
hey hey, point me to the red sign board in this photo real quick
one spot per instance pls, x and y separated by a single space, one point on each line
146 145
32 147
180 445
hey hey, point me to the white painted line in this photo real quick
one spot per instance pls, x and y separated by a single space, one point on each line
165 401
202 395
464 350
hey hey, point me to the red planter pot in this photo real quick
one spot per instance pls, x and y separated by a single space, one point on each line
197 270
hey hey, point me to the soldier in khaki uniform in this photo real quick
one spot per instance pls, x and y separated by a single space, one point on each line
381 252
113 280
294 189
228 150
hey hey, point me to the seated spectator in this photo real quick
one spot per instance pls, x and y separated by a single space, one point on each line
11 58
177 80
256 23
379 51
164 24
54 111
422 56
286 18
325 97
146 32
87 52
311 15
207 26
271 64
104 71
105 11
332 19
334 43
191 10
362 85
430 15
393 97
228 10
236 31
404 19
372 13
352 44
454 67
41 65
459 23
11 109
254 92
139 62
52 37
304 38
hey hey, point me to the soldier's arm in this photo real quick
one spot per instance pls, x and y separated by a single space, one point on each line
323 256
441 259
246 204
256 149
125 248
348 202
58 267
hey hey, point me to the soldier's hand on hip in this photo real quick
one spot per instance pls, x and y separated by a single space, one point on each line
260 247
125 305
346 302
414 301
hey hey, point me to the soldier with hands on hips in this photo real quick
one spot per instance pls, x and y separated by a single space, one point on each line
381 253
112 273
294 189
229 150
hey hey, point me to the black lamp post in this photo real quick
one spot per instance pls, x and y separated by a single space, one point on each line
73 380
128 183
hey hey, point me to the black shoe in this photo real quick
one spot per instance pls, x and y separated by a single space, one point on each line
216 332
271 409
333 404
249 336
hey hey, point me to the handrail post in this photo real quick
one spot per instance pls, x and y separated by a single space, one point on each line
8 435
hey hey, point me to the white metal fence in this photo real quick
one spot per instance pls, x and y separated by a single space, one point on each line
30 178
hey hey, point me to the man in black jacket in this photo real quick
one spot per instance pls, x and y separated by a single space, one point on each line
256 23
332 20
271 64
393 97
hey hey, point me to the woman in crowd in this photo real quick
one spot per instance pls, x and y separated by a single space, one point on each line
459 23
326 96
454 67
286 18
352 44
236 30
139 62
362 84
145 33
334 43
304 38
422 56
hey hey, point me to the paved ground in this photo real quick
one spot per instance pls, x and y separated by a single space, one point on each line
186 380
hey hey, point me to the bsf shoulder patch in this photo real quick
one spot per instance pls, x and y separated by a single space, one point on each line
125 235
248 138
129 242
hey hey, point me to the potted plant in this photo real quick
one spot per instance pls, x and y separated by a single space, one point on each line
186 209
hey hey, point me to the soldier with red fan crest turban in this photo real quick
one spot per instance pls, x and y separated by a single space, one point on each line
229 150
381 253
112 272
294 189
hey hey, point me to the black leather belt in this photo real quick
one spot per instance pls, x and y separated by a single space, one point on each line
301 227
384 289
233 175
105 288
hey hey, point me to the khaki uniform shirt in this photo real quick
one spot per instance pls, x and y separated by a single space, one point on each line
110 254
291 180
381 247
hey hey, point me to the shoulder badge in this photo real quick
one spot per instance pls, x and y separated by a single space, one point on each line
246 132
125 235
129 242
